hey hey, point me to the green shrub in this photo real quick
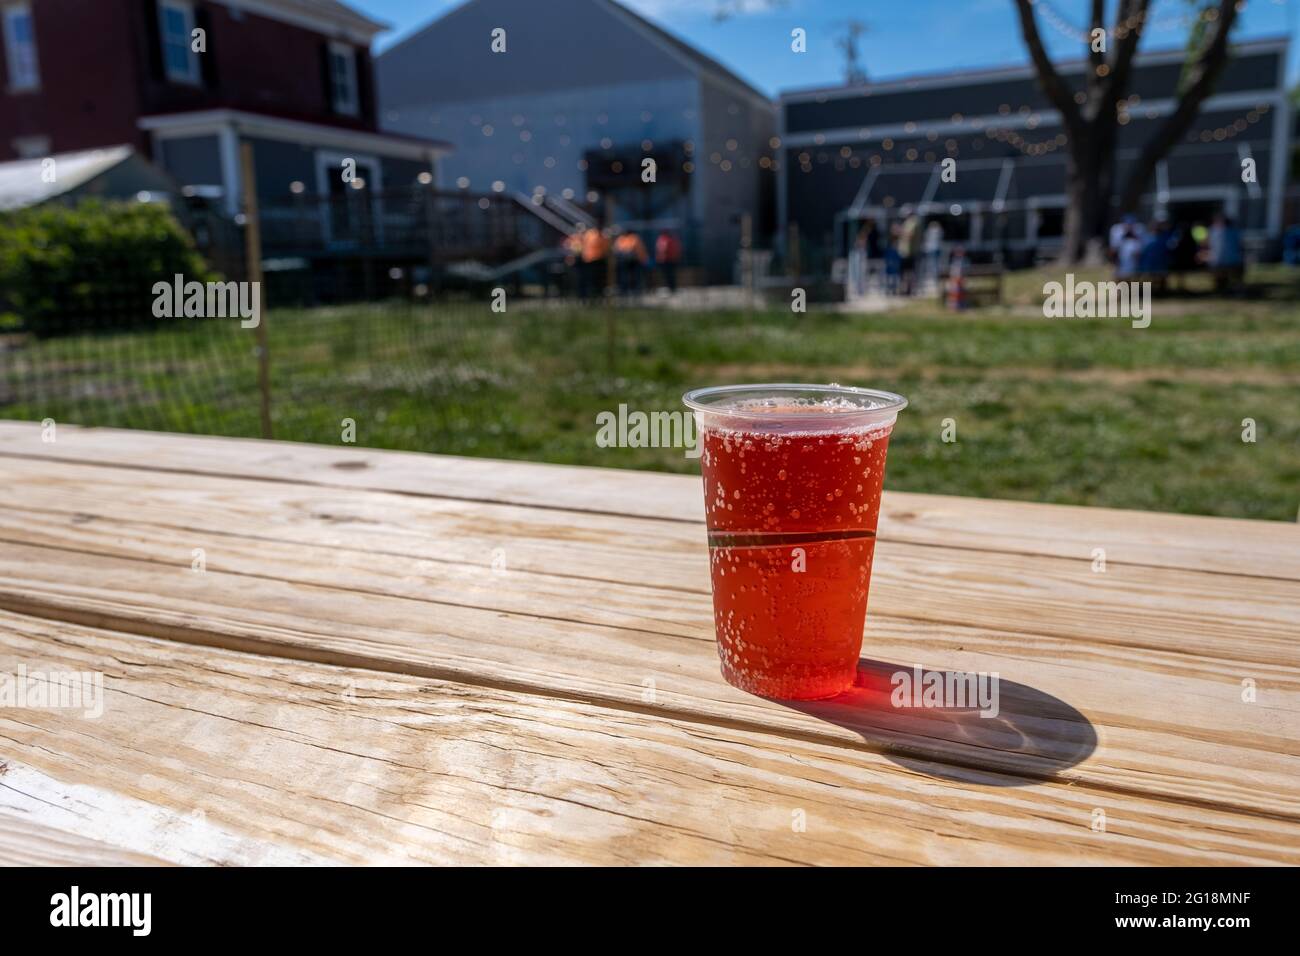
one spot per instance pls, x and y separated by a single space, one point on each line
90 266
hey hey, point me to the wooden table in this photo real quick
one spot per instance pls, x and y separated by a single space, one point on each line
391 657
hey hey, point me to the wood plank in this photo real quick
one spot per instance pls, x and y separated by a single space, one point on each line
1135 718
1204 644
552 558
24 843
207 755
1263 548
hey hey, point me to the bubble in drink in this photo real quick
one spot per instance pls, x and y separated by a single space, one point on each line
792 497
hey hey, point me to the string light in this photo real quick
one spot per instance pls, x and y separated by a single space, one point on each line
1053 18
910 153
1231 130
1046 146
1057 22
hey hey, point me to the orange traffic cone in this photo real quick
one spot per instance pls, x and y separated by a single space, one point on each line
956 293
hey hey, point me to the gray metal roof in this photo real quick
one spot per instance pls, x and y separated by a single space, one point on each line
22 183
582 44
702 60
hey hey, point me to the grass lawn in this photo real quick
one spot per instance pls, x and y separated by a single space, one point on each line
1064 410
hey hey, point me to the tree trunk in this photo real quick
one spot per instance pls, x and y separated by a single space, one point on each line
1089 187
1092 129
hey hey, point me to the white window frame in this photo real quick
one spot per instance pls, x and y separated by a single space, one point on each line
31 147
330 163
350 104
191 74
24 70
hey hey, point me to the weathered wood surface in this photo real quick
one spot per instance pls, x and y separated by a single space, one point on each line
1264 548
211 756
551 596
24 842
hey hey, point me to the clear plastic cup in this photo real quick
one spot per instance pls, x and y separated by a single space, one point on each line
792 483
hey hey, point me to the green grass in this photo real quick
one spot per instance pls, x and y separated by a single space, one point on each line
1078 411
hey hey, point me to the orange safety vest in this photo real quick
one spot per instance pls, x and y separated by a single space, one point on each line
630 244
594 245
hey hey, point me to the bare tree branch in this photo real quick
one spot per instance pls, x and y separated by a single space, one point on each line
1054 87
1203 72
1098 22
1130 21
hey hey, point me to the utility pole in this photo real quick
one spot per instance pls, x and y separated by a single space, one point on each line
850 32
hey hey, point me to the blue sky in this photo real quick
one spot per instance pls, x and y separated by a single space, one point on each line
904 36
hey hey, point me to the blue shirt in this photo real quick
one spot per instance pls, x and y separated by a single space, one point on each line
1225 246
1155 254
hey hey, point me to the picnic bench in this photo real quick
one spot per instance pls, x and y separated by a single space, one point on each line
334 654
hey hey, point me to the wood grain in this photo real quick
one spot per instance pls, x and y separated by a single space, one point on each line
24 843
559 559
548 602
206 755
1262 548
1171 718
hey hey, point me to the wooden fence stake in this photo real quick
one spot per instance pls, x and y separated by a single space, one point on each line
253 252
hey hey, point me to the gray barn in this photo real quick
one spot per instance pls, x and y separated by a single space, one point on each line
584 91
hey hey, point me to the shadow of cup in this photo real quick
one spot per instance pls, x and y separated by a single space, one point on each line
961 726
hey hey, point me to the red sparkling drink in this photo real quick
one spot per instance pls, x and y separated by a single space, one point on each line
792 481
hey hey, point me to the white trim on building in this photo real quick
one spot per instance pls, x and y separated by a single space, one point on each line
844 135
229 126
1024 71
330 163
324 16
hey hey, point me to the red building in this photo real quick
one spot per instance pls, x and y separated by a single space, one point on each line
186 81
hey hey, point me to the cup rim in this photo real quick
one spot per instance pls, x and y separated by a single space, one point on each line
885 407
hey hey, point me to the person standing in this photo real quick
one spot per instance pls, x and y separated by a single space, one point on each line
910 249
1291 246
1120 230
875 246
1128 253
572 247
595 247
1186 253
876 241
1226 260
1157 252
668 253
893 260
933 250
856 284
629 256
